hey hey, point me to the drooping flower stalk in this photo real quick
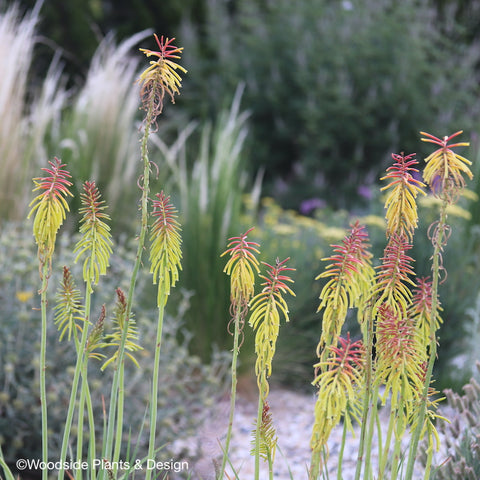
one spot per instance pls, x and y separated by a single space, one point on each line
444 173
49 207
241 268
165 258
158 79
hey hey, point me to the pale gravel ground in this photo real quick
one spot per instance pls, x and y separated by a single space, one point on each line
293 418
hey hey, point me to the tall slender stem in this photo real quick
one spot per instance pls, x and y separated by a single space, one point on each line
233 390
76 378
115 391
154 392
437 251
43 367
257 436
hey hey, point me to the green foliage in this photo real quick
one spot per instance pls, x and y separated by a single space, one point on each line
333 87
186 384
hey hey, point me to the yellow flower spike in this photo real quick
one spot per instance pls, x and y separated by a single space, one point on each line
401 205
69 311
121 323
349 274
165 250
241 268
161 76
49 208
96 242
265 319
444 168
340 377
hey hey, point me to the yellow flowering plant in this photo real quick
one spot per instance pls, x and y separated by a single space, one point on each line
398 316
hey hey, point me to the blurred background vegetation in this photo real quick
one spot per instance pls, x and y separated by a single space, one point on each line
286 121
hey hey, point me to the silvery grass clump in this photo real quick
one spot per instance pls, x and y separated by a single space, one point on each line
93 126
27 117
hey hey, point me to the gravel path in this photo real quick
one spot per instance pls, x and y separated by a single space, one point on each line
293 418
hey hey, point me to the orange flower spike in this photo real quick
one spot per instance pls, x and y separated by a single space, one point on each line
401 206
445 168
241 267
50 207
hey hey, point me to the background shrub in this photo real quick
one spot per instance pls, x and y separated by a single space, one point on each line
333 87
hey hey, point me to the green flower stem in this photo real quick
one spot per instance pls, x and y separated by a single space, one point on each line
154 392
342 450
85 398
74 389
397 449
369 398
314 471
91 425
437 251
117 394
233 393
257 435
382 464
43 367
